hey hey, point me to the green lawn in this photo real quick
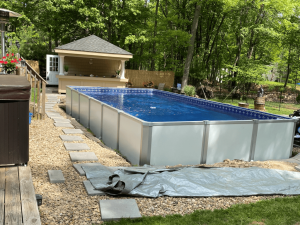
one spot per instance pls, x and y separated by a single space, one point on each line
275 211
271 107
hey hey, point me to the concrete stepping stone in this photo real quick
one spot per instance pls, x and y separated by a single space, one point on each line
63 125
80 171
83 156
297 168
56 176
119 208
70 138
72 131
61 120
90 190
76 146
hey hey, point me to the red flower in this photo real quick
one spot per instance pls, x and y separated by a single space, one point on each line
7 55
20 59
5 62
1 62
12 61
16 67
12 54
3 57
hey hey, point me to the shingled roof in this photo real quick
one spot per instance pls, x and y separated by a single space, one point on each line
93 44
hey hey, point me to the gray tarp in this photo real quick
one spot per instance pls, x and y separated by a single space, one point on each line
192 181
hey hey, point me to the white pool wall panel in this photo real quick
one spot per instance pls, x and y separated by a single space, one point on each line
176 144
95 117
110 126
229 141
274 140
75 104
130 137
68 100
84 110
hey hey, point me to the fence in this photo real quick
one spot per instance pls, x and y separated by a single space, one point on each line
37 84
138 77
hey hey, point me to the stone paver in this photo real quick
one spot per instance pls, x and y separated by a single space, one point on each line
76 146
119 208
56 176
57 120
63 125
297 168
72 131
70 138
80 171
83 156
90 189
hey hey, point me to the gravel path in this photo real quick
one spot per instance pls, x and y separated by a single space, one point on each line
68 203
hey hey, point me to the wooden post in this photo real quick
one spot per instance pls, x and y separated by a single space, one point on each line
44 100
38 98
34 95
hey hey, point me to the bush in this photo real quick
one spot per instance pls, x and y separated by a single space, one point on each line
282 89
293 89
168 89
298 99
189 90
271 88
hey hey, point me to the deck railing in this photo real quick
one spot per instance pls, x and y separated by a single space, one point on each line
37 82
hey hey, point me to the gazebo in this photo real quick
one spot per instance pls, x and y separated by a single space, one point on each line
91 61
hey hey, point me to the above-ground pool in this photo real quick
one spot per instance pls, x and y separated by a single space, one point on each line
155 127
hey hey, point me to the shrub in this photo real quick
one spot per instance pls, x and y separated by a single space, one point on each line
293 89
298 98
282 89
271 88
168 89
189 90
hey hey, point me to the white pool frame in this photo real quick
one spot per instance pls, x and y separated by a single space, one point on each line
186 143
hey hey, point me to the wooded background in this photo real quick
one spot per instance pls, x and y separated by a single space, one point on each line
235 40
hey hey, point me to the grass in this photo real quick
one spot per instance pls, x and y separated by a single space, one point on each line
32 94
275 211
90 132
271 107
278 84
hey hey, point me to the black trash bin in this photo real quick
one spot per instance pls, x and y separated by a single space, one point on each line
14 119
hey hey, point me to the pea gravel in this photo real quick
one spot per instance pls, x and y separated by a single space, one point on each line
68 203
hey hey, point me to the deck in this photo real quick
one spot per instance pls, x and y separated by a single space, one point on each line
17 197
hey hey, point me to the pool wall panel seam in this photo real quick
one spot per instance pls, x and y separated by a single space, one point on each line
253 139
205 142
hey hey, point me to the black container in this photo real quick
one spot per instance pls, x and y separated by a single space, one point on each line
14 119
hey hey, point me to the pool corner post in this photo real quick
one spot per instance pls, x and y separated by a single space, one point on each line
146 139
294 128
118 129
205 142
253 139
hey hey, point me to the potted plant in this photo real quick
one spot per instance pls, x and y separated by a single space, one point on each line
118 73
9 63
66 69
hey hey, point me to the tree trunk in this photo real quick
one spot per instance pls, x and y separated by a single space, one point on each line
191 47
288 69
155 27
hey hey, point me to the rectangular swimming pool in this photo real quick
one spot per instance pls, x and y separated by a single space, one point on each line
155 127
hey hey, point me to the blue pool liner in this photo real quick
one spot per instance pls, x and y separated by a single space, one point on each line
232 111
